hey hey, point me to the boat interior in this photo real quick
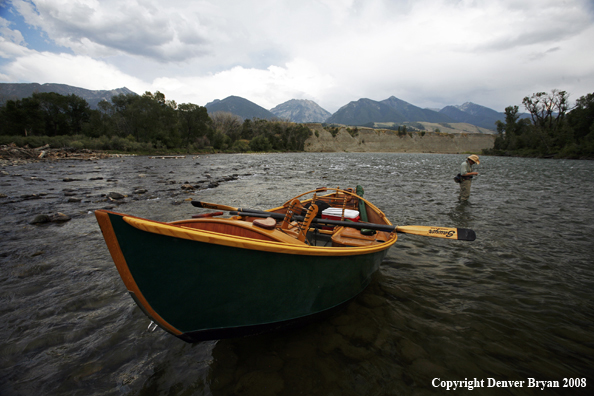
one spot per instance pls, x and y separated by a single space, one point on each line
278 224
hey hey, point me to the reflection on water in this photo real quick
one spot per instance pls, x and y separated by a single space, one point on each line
512 305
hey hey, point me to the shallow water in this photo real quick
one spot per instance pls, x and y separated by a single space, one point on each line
515 304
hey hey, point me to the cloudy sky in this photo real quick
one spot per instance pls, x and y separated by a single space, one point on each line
431 53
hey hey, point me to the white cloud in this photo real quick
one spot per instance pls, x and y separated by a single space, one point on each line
267 88
10 49
429 52
80 71
6 33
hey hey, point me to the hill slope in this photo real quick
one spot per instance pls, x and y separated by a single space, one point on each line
473 114
365 111
301 110
15 91
413 113
240 107
394 110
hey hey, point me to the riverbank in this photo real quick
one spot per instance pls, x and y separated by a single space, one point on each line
359 139
13 155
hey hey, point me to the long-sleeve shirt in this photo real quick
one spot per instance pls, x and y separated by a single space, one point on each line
466 168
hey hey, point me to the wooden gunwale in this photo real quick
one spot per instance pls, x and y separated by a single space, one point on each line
249 243
122 267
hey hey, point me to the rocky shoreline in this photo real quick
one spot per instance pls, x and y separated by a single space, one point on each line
13 155
67 193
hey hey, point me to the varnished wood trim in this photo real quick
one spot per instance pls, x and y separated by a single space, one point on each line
120 263
176 231
235 227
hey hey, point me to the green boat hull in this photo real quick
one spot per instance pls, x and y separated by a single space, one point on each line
211 291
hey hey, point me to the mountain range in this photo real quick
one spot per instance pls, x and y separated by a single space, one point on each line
356 113
473 114
301 110
361 112
12 91
239 106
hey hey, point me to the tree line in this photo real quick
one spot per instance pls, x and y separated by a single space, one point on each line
144 123
551 130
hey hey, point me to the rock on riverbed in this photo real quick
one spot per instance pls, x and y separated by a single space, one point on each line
52 218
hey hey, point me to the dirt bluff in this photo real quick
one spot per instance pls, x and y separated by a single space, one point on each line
377 140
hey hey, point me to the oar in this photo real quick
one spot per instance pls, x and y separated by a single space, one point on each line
462 234
206 205
202 215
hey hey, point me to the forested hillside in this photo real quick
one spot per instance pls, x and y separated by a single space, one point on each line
149 122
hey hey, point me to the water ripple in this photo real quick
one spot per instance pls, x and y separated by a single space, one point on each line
516 303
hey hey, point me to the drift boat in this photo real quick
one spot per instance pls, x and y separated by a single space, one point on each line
211 278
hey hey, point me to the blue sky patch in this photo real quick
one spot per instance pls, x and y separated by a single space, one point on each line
35 38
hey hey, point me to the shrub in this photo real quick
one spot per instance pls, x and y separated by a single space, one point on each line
241 146
260 143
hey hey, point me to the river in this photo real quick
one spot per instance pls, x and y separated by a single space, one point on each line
515 304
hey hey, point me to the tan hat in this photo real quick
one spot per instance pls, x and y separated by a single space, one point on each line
474 158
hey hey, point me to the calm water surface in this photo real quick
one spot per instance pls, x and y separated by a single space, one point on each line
515 304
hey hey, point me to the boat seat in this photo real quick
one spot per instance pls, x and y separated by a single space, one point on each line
347 236
267 223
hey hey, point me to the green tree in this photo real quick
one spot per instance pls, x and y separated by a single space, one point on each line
513 132
260 143
581 118
227 124
247 130
581 121
78 113
21 118
149 118
548 113
193 122
54 106
551 130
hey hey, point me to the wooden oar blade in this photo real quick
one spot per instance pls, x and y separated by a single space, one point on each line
463 234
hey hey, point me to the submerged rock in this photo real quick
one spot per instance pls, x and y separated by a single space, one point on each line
115 195
59 217
40 219
53 218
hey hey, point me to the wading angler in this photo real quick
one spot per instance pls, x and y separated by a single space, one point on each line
465 176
